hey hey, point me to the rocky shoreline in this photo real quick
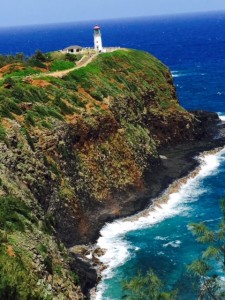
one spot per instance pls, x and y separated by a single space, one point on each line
175 166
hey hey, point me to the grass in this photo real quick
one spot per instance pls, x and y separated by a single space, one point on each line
14 214
2 133
60 65
116 74
22 73
16 281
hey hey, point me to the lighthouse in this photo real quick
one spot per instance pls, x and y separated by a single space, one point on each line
97 39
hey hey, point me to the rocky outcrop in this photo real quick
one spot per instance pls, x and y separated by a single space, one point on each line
99 161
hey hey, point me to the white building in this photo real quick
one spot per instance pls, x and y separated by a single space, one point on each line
97 39
73 49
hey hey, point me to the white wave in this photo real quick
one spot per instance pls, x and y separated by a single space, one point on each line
221 116
174 244
176 75
118 250
211 220
161 238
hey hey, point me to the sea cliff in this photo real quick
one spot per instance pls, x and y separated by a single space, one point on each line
81 150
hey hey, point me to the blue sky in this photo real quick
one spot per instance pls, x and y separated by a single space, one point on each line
24 12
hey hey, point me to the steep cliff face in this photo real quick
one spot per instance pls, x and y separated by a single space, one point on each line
76 152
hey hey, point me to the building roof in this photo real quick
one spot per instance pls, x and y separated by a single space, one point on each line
73 47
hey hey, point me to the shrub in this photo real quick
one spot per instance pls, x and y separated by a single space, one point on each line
16 281
54 113
58 270
2 133
37 94
54 169
60 65
46 124
70 57
39 55
29 139
18 92
65 109
75 277
71 85
13 107
48 264
29 119
4 112
9 82
41 110
25 72
13 214
96 95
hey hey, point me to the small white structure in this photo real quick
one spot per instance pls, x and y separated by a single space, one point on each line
73 49
97 39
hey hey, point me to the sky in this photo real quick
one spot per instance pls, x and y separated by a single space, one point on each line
29 12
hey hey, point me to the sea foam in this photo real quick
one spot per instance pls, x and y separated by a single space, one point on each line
172 202
221 116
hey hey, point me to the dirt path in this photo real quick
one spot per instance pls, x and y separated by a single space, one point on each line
85 60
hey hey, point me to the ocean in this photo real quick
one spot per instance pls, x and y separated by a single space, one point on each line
193 46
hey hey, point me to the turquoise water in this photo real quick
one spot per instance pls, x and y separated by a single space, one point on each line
160 238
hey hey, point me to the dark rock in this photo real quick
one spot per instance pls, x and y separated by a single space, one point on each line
87 274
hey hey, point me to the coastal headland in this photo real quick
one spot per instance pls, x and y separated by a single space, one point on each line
81 150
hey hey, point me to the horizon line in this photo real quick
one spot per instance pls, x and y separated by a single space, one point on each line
116 18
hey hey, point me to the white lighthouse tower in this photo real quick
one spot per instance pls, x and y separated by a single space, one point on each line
97 39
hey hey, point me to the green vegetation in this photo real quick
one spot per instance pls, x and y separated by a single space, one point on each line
75 277
116 74
2 133
205 268
61 65
147 287
71 142
9 59
16 280
14 214
20 66
18 230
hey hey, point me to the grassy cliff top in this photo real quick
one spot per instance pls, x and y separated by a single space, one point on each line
45 101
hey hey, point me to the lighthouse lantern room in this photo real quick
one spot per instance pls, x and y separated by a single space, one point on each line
97 39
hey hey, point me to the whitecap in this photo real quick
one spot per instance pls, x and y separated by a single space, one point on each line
161 238
174 244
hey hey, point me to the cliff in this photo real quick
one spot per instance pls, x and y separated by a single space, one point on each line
77 152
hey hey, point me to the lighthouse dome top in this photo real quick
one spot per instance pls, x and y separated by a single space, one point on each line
96 27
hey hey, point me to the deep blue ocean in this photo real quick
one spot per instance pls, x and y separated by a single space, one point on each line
193 46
